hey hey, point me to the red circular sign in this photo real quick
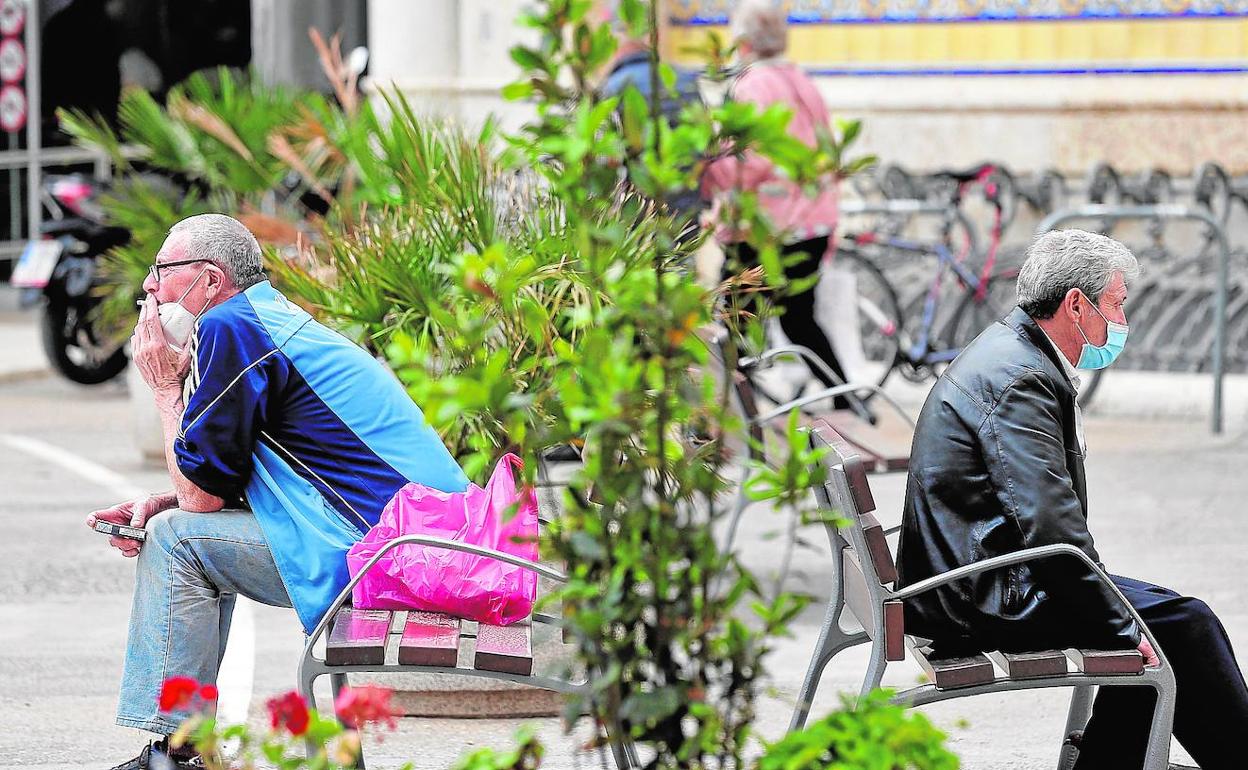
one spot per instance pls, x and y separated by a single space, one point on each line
12 108
12 16
12 60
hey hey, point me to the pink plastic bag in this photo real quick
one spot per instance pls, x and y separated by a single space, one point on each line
440 580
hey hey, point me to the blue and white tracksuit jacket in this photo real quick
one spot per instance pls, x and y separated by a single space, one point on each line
308 428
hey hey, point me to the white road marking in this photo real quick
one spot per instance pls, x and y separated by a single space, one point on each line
238 667
81 466
237 673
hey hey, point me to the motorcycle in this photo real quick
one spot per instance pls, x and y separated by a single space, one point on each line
59 270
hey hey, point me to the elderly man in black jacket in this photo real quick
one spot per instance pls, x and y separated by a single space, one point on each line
997 466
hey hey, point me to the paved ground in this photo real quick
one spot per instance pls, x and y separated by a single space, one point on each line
1166 500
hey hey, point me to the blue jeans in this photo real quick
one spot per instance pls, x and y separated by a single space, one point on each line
190 570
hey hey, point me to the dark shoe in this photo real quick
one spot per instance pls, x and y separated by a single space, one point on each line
154 757
1070 750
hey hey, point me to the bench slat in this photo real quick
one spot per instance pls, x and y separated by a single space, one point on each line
877 544
358 637
430 639
1107 662
853 463
1030 665
952 673
894 631
507 649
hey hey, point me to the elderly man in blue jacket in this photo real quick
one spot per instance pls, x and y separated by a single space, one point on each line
284 441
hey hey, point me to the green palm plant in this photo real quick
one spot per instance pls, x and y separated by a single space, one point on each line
214 147
410 269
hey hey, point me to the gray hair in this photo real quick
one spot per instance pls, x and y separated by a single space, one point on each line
764 25
226 243
1061 260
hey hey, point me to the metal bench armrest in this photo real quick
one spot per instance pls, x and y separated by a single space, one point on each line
813 362
838 390
841 389
437 542
1019 557
806 354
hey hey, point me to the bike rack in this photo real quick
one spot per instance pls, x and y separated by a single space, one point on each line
1116 213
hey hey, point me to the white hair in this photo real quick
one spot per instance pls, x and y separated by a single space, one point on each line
764 25
226 243
1061 260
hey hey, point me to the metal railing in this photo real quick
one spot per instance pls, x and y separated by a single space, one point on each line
1161 212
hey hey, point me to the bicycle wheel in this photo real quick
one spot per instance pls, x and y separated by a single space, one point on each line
863 318
977 313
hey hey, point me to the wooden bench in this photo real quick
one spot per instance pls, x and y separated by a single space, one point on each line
886 455
408 641
429 639
862 593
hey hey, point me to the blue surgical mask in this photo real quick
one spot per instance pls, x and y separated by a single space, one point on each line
1101 356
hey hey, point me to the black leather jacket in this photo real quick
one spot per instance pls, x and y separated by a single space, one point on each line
996 467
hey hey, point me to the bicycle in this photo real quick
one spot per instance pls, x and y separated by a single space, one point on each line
887 341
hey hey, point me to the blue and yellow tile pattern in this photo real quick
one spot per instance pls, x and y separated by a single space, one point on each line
979 37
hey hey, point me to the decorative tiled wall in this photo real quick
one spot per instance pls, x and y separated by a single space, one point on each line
971 37
1054 83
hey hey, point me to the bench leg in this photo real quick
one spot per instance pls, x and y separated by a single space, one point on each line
336 683
622 749
1157 756
738 510
1076 719
307 680
875 671
831 641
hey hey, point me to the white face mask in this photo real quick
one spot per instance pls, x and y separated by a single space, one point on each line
177 321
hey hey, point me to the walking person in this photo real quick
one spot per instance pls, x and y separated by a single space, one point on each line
807 223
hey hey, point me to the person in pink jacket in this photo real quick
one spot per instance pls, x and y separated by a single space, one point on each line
806 223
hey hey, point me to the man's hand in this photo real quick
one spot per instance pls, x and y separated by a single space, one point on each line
1150 655
134 513
162 368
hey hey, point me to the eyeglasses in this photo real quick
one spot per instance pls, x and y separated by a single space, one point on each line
154 270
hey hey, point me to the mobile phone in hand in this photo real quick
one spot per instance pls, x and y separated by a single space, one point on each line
120 530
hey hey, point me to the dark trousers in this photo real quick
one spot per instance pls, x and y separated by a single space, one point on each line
797 318
1212 704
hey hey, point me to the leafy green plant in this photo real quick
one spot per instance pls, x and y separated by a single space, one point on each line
873 734
653 606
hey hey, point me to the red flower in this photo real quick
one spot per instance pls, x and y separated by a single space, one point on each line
289 711
208 692
356 706
177 692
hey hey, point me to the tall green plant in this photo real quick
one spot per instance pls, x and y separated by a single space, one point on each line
652 603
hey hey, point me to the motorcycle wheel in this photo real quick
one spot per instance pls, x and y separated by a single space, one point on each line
72 349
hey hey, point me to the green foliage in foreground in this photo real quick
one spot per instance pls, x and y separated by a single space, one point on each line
875 735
